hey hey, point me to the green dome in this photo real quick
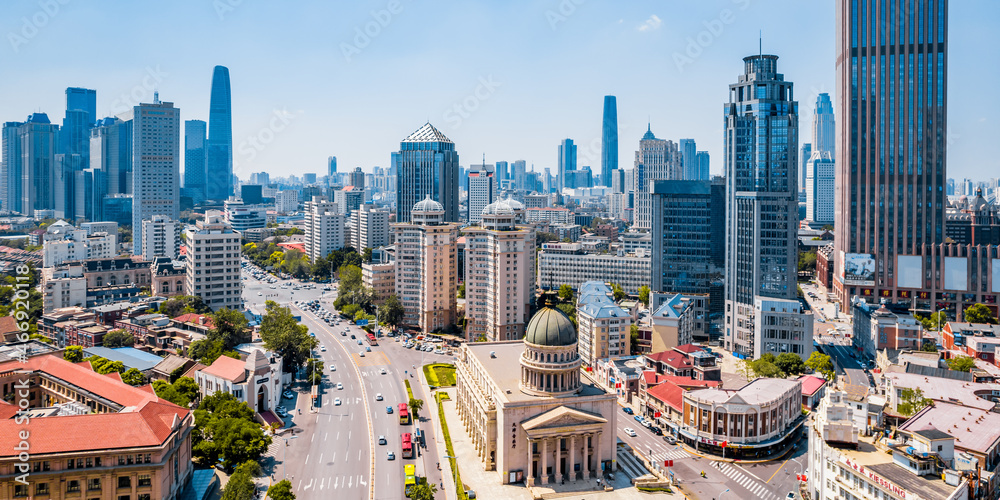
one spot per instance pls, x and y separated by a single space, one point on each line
550 327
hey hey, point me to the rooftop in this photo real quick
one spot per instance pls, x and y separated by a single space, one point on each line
671 390
811 384
758 391
129 356
505 371
973 429
427 133
876 460
227 368
82 376
945 389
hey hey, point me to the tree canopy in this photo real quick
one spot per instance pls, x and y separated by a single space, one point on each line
282 490
391 312
789 364
118 338
962 363
644 295
618 292
73 353
911 401
821 363
225 429
979 313
565 293
285 336
229 327
133 377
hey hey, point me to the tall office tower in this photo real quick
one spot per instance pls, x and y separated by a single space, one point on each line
567 163
689 235
82 100
967 187
820 187
762 125
10 166
427 267
805 153
656 159
502 171
65 170
499 273
324 227
161 237
358 179
213 262
546 181
219 170
309 178
689 161
824 126
951 187
195 136
156 166
702 158
426 165
482 190
369 227
38 146
331 166
81 109
617 181
609 139
111 153
252 194
891 161
518 174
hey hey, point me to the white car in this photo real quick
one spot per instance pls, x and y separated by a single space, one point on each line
336 402
378 397
630 431
382 440
383 372
333 368
340 386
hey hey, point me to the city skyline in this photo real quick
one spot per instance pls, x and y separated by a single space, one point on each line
310 106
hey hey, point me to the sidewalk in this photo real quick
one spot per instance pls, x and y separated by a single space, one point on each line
430 411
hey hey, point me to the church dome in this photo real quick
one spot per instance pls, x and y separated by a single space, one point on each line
427 205
550 327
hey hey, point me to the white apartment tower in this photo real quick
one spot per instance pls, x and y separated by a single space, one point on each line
213 262
656 159
427 267
324 228
161 237
156 142
286 201
482 191
820 172
369 227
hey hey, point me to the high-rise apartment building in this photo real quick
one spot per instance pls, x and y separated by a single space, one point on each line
213 262
702 157
482 190
689 160
566 165
195 160
426 165
688 237
156 138
609 139
324 228
219 171
519 175
499 273
286 201
824 126
349 199
161 237
656 159
357 179
369 227
761 134
820 184
427 267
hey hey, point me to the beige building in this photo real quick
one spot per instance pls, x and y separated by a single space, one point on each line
380 277
499 273
530 415
213 262
427 267
369 227
604 326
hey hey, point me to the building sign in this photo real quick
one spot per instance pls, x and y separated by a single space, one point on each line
905 294
261 381
513 435
924 295
886 293
721 444
859 269
875 478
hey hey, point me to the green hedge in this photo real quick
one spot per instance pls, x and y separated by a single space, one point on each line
440 374
459 486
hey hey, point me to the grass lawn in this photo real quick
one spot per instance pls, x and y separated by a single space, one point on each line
440 374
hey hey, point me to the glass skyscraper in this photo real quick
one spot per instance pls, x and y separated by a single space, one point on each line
219 170
609 139
567 163
194 159
426 165
689 160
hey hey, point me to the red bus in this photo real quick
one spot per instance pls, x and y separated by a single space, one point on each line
407 446
372 340
404 415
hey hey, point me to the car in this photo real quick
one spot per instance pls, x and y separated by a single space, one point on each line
382 440
333 368
322 348
343 334
336 401
656 430
368 349
630 431
790 496
638 418
382 371
359 341
390 456
670 439
352 336
340 386
259 293
627 410
312 334
361 354
378 397
281 411
288 394
388 409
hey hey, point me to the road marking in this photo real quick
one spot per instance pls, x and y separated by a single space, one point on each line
776 470
307 459
349 435
325 435
359 455
334 459
320 459
336 482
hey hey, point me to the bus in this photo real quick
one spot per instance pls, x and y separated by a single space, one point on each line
371 339
410 474
404 415
407 445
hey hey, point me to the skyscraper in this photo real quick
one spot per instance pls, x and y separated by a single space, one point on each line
656 159
689 161
567 163
156 168
111 153
482 191
704 172
219 170
891 158
427 279
805 153
85 100
824 126
502 171
426 165
195 159
34 171
609 139
820 187
518 175
331 166
762 124
357 179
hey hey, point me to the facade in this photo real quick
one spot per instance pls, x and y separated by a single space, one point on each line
824 126
156 168
75 244
167 276
688 238
369 227
566 165
29 163
63 286
567 264
380 277
656 159
482 191
761 120
603 325
673 323
243 217
357 179
255 380
529 413
888 326
219 146
499 273
554 215
609 139
286 201
781 325
981 341
349 199
427 267
161 237
426 165
213 262
704 163
820 172
689 160
324 228
195 144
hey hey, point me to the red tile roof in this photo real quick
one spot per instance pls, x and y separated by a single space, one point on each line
82 376
8 325
811 384
193 319
652 378
672 389
672 358
227 368
689 348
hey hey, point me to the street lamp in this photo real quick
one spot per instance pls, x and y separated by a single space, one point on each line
283 453
724 492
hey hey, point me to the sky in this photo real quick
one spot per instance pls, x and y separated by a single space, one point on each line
504 79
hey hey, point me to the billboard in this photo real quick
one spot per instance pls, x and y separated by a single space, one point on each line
956 273
909 271
859 269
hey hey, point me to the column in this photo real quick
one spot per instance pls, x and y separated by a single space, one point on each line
530 481
572 458
597 453
558 468
585 465
545 462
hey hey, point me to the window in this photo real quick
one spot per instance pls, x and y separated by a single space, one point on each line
72 486
144 480
20 490
93 484
124 482
42 489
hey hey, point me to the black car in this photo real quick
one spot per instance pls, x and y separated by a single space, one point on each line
352 336
656 430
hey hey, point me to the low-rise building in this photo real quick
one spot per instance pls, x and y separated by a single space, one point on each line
620 375
167 277
782 326
663 398
603 326
63 286
256 380
975 339
129 356
888 326
813 390
567 264
689 361
555 215
63 242
381 277
972 394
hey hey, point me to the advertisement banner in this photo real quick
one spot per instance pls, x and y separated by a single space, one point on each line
859 269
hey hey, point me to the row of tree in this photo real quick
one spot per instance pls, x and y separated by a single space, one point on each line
786 364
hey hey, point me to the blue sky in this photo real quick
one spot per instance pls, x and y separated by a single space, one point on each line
508 79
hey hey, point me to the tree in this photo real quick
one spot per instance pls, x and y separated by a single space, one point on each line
765 368
978 313
366 256
184 304
118 338
644 295
633 335
461 291
282 490
934 321
391 312
314 371
789 364
807 261
133 377
166 390
229 327
415 406
745 368
962 363
565 293
423 491
282 334
241 485
616 289
73 354
105 366
911 401
929 347
234 440
187 387
350 278
821 363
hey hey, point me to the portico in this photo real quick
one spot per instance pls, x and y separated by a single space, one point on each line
562 444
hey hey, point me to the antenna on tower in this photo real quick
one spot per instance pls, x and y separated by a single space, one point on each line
156 97
760 43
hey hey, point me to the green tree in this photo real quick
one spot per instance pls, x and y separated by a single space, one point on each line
617 291
765 367
366 256
929 347
789 364
206 351
962 363
807 261
282 490
350 310
633 335
423 491
391 312
187 387
73 354
230 328
979 313
565 293
282 334
314 371
240 486
350 278
934 321
184 304
461 291
118 338
569 310
644 295
415 406
133 377
911 401
745 368
821 363
166 390
234 440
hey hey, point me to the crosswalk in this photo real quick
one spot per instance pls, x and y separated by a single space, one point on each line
332 483
753 486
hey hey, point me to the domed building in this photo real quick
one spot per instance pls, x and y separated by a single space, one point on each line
529 413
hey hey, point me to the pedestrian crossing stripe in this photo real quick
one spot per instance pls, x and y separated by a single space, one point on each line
761 490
